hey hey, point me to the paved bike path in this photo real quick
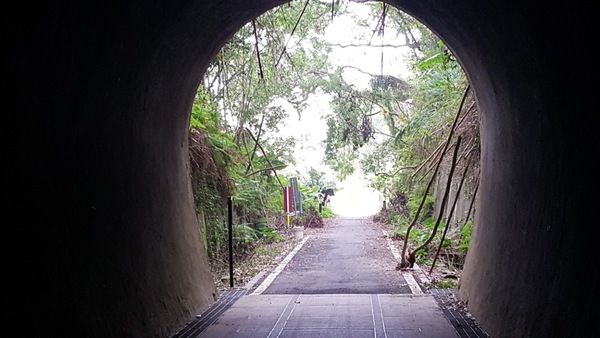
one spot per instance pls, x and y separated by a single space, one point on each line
340 282
351 256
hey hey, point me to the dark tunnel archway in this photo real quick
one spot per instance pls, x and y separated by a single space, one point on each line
105 92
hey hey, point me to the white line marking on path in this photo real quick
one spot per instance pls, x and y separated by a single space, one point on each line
271 277
381 316
293 298
412 283
373 318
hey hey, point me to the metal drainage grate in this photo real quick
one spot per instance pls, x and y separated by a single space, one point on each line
463 322
198 325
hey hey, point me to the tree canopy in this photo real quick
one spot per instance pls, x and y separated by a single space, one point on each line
392 130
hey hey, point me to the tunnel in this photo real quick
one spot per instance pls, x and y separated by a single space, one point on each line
103 237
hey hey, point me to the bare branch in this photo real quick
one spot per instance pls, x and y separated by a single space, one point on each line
273 168
360 45
462 181
396 171
360 70
257 50
404 263
412 254
266 169
292 33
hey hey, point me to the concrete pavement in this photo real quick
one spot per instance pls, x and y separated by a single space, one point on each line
340 282
338 315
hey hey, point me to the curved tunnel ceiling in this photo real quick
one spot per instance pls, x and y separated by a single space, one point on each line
105 91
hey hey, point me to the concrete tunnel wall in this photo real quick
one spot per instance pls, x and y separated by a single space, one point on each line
102 93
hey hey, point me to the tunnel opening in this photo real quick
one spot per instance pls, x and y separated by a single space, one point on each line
113 247
233 98
355 106
488 77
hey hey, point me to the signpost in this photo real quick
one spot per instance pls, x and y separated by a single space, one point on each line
288 202
292 200
230 228
297 196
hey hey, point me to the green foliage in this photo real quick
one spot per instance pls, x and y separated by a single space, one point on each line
315 178
269 233
399 223
310 194
326 212
414 200
212 154
398 231
256 198
205 114
292 59
244 234
445 284
423 256
420 235
429 222
399 220
358 117
388 129
465 236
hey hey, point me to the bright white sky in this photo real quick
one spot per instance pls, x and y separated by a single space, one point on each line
343 31
311 129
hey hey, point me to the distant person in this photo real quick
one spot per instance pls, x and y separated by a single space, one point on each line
324 197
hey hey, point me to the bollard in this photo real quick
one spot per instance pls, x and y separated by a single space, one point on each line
298 232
